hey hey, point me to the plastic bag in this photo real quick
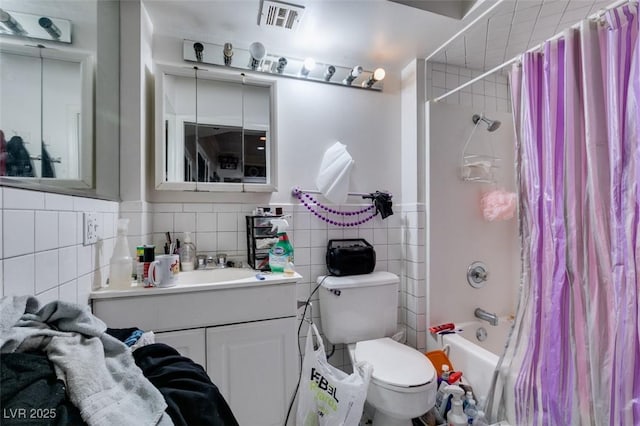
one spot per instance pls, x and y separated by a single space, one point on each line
329 396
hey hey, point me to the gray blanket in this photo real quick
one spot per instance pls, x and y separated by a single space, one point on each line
101 376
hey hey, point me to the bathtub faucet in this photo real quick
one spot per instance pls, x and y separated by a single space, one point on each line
486 316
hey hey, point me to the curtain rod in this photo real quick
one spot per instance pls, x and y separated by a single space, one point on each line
516 58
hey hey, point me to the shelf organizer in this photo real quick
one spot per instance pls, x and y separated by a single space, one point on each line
212 54
478 168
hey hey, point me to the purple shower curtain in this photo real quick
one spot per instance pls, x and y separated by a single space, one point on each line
574 356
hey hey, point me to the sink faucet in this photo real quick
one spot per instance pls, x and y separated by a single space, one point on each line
486 316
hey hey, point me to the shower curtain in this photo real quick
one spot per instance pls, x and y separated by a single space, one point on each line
573 357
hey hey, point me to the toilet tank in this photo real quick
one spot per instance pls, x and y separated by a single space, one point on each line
359 307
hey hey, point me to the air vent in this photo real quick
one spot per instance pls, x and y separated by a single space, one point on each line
276 14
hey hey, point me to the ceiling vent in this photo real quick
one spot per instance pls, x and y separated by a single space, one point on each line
277 14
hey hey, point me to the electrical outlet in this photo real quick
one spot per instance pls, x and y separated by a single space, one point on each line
90 228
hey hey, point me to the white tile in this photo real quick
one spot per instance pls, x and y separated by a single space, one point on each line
18 232
319 238
394 236
438 79
318 223
48 296
67 264
68 292
67 229
478 101
318 256
452 81
167 207
227 222
394 252
46 270
197 207
206 242
85 260
1 277
382 251
206 222
22 199
302 238
184 222
58 202
302 220
19 276
1 240
46 230
110 225
302 256
228 208
84 288
380 236
162 222
227 241
466 99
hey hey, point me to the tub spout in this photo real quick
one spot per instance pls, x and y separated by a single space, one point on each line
486 316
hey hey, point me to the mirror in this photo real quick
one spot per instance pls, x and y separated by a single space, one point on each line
59 79
216 131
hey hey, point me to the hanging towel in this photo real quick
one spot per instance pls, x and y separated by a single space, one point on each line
333 177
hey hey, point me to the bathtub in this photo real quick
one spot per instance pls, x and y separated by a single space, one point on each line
477 359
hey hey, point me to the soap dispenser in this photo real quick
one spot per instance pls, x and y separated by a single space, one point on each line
121 263
187 253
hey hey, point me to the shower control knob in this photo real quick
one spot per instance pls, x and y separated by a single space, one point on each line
477 274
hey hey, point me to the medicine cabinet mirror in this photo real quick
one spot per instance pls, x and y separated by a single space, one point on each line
214 131
59 96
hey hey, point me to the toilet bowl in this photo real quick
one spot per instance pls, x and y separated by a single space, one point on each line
403 384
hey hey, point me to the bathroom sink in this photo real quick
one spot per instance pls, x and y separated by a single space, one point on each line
209 276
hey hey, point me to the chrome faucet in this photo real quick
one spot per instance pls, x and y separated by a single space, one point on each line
486 316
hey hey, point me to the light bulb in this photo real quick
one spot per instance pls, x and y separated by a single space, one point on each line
50 27
227 53
329 72
282 63
377 75
198 48
353 74
307 66
257 52
8 21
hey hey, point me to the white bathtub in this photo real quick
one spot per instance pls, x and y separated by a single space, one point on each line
477 359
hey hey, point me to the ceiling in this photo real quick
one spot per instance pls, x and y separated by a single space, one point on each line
374 33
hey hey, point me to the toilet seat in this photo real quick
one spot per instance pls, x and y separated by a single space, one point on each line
395 366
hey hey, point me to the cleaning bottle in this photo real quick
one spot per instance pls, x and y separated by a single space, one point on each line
121 263
281 253
470 410
188 254
456 416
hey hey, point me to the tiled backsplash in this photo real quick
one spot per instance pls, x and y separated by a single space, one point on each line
42 251
489 94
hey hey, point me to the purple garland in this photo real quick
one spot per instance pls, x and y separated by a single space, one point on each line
309 202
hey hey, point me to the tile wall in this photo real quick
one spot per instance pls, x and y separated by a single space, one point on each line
42 251
488 94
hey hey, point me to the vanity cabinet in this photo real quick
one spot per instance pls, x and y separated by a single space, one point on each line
244 335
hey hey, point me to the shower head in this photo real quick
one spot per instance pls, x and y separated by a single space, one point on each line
492 125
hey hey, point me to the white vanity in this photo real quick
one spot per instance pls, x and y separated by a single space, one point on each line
242 330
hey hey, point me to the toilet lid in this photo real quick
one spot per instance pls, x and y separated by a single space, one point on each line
394 363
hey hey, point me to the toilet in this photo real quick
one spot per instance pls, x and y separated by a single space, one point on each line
361 311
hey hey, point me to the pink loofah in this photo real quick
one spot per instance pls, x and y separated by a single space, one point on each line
498 205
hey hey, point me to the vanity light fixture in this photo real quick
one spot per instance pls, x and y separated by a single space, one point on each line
330 71
307 66
282 63
353 74
257 52
198 48
10 23
227 53
50 27
377 75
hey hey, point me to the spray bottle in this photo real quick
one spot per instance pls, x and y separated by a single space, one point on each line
281 253
456 416
120 265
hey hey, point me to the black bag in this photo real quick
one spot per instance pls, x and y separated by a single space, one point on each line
350 257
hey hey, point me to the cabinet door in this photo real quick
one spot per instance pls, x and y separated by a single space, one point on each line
255 366
189 343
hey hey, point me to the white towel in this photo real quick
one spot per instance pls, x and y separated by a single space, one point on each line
333 177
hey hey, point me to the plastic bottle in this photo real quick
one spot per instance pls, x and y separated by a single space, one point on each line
444 377
456 416
281 253
121 263
187 253
471 411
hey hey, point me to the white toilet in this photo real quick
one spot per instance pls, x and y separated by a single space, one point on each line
362 311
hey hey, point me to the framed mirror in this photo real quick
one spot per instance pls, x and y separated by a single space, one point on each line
215 132
59 102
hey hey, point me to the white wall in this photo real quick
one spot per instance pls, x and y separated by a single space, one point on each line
42 252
